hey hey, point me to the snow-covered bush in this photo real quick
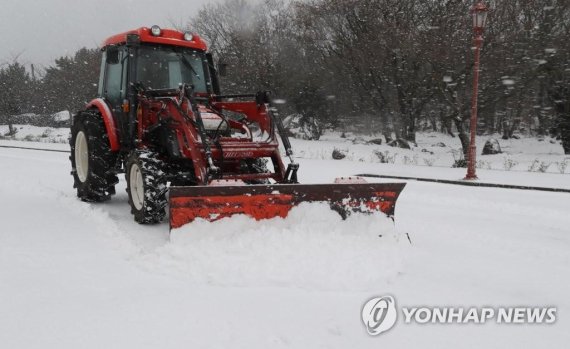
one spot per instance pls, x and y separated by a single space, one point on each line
459 163
539 166
30 138
458 159
48 131
509 163
483 164
429 161
543 166
562 166
534 165
400 143
385 157
410 160
302 127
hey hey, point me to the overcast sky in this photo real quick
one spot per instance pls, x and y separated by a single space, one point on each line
42 30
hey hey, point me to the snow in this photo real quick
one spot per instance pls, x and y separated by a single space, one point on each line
74 274
62 116
523 151
312 233
519 155
533 179
38 134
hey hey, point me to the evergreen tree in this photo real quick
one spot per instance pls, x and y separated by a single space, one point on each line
72 81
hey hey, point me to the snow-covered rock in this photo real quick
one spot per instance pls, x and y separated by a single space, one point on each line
491 147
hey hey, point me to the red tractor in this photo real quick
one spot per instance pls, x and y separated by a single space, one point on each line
160 119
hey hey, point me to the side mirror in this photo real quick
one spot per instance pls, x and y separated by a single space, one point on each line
222 68
213 74
112 55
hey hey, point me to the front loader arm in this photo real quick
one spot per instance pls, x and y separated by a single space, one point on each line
261 111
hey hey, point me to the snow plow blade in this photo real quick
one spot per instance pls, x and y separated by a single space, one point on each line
276 200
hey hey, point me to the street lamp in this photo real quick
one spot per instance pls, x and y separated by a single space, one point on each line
479 12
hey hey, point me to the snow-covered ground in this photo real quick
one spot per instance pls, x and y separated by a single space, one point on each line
433 150
31 133
438 150
79 275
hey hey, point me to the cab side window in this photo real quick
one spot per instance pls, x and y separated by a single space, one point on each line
115 79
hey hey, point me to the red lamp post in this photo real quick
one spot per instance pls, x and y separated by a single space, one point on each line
479 12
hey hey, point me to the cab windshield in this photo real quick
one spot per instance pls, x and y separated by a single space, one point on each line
166 67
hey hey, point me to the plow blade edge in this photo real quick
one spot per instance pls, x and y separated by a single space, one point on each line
276 200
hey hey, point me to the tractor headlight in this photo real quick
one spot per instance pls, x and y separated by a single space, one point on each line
155 30
188 36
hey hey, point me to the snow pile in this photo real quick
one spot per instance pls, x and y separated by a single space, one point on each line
31 133
313 248
61 116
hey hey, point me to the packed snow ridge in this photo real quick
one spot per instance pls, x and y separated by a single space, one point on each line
313 248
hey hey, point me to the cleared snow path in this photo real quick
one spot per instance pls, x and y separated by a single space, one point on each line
77 275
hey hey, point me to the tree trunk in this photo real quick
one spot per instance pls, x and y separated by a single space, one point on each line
540 116
433 121
566 142
388 135
540 112
563 110
463 137
489 118
514 127
410 128
447 124
506 129
11 129
387 126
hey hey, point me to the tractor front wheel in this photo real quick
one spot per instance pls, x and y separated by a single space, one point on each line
146 186
92 161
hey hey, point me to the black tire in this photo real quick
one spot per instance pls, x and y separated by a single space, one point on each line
148 202
96 182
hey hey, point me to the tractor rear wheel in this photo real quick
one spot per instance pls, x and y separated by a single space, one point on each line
146 186
92 162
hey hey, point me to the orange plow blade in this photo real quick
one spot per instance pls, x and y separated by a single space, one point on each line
276 200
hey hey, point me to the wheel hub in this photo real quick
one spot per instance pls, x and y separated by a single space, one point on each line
81 156
136 186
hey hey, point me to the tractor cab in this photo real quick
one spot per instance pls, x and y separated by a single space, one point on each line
157 59
157 62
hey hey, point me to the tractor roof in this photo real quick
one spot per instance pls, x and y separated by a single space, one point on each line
166 37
